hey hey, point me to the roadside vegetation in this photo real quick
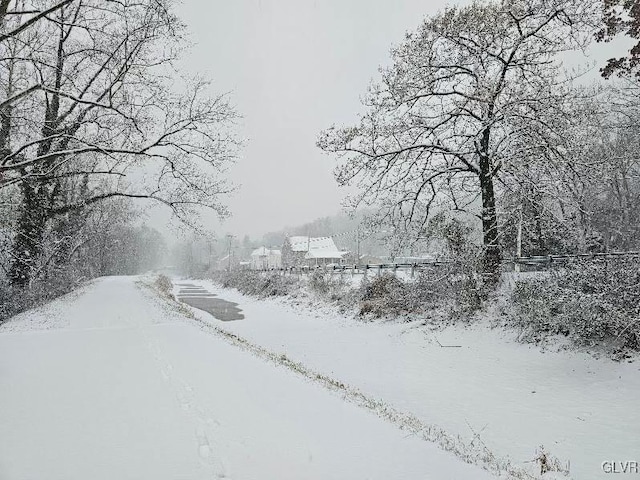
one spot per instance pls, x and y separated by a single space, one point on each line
476 139
594 304
91 120
590 304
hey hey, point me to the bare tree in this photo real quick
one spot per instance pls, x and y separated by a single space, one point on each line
621 18
29 13
472 94
105 103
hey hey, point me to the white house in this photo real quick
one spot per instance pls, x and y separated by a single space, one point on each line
264 258
316 250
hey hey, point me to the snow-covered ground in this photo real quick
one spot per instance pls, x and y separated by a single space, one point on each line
111 383
480 384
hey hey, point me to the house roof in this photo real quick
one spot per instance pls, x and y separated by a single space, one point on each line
325 254
304 244
264 252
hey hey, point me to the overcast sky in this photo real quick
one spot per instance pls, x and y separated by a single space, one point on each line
293 68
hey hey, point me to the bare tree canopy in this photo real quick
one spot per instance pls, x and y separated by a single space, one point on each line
475 92
90 98
32 14
93 83
621 18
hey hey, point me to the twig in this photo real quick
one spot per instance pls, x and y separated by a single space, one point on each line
446 346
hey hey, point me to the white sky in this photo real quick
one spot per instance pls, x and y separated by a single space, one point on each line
293 68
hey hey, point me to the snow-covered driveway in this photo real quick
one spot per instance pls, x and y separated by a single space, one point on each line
109 384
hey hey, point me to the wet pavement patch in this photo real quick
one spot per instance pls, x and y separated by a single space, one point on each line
201 299
195 294
221 309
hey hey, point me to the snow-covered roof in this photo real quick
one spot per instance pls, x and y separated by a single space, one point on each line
304 244
264 252
325 254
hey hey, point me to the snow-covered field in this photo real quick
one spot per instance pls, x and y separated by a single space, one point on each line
480 384
112 383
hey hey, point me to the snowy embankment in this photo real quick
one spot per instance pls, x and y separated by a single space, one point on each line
471 381
113 382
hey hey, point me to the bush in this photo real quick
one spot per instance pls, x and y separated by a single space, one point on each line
164 285
258 284
457 286
327 286
454 288
589 302
385 295
14 300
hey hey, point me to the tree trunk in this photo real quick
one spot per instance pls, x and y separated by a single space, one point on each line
27 245
492 256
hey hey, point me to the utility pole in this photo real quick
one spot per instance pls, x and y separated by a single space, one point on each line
229 236
516 267
358 245
209 243
519 243
309 246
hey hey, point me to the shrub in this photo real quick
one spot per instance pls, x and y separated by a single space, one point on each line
329 287
589 302
257 283
318 282
454 289
385 295
14 300
458 286
164 285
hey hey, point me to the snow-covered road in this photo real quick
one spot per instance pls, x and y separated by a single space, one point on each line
108 383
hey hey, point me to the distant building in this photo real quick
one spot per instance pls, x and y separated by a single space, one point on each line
311 251
264 258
